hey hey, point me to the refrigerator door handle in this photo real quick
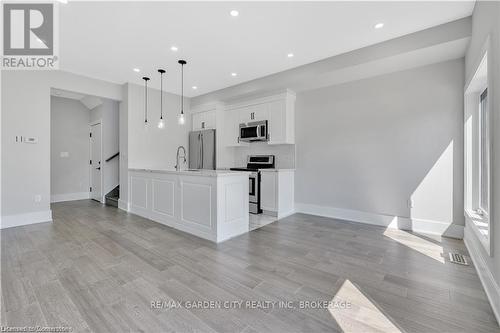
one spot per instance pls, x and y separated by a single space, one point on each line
201 150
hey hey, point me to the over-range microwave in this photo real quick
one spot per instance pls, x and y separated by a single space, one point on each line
254 131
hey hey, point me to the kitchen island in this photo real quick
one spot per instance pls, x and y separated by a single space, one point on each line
211 204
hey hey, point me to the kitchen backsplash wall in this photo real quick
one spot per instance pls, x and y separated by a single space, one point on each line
285 154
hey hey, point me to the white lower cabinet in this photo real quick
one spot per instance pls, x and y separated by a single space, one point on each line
277 192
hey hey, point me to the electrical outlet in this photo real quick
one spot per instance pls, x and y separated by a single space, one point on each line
411 203
38 198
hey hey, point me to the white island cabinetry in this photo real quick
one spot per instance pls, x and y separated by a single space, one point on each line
209 204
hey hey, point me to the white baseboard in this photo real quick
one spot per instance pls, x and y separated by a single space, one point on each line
487 280
69 197
123 205
286 214
389 221
18 220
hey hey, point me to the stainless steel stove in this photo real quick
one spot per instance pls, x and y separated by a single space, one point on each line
254 164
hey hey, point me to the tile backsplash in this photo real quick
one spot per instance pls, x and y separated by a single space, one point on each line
285 154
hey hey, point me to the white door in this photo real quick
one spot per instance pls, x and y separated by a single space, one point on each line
95 162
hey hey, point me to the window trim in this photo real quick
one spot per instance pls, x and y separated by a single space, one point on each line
480 224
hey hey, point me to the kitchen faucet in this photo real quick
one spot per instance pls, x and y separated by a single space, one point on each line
177 166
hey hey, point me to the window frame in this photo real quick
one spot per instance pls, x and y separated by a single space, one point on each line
478 221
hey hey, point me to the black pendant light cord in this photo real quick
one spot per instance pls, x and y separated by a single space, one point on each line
182 62
161 71
146 79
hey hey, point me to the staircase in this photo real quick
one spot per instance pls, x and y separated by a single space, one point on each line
111 199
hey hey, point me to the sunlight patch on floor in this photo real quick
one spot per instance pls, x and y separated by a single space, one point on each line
354 312
414 242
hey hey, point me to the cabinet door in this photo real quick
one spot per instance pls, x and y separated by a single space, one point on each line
197 121
277 122
260 112
209 119
268 191
231 128
253 113
246 114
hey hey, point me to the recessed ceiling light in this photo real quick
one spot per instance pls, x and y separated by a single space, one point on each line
195 87
234 74
234 13
174 48
137 70
379 25
290 55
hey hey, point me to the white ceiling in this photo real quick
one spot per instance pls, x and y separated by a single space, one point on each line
107 40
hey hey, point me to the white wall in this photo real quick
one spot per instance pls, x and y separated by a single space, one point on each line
149 147
108 114
486 22
123 158
26 111
371 145
69 176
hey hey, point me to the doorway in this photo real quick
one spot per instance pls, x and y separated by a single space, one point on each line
95 161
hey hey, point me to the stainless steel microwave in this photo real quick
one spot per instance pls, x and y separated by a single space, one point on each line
254 131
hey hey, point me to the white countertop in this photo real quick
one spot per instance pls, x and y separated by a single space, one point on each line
202 173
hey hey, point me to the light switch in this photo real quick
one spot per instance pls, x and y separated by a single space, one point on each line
30 140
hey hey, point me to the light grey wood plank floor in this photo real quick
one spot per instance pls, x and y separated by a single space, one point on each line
98 269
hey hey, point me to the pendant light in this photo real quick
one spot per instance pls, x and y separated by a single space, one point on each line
181 118
146 79
161 123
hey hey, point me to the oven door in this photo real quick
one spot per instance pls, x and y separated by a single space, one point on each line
253 188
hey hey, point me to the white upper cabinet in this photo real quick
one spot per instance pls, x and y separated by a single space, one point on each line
278 110
204 120
253 113
232 129
204 117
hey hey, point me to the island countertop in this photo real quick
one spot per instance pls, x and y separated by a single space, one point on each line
193 172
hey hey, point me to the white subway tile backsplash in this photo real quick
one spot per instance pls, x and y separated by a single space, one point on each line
285 154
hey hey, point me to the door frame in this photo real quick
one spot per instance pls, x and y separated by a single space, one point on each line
96 122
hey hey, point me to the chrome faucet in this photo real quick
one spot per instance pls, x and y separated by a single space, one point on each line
177 166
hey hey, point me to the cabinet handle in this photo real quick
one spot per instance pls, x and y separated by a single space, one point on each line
202 124
238 139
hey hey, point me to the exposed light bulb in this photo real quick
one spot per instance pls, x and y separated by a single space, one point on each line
161 124
181 119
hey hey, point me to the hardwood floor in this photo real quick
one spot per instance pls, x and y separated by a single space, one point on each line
100 269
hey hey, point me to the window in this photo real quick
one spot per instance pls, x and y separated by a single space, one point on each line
477 148
484 155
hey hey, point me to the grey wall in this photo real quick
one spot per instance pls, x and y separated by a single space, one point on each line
149 147
108 114
373 144
486 21
69 124
26 111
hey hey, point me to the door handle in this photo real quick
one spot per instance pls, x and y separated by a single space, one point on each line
99 168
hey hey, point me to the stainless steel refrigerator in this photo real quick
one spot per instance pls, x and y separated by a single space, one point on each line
202 149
